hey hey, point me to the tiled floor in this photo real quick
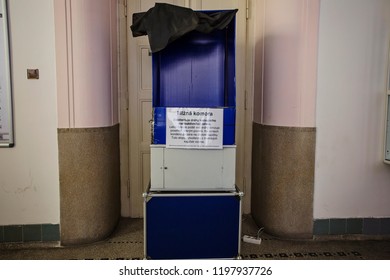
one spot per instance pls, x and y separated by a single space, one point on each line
127 243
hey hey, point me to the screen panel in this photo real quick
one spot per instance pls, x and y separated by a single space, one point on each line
6 123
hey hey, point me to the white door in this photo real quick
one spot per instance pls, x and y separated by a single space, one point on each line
140 97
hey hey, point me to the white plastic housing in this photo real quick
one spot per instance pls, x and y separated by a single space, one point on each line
192 170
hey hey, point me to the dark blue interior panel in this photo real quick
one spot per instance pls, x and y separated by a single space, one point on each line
197 70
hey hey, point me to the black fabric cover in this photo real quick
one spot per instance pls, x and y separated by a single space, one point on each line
165 23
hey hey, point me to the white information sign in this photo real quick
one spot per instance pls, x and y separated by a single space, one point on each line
6 135
194 128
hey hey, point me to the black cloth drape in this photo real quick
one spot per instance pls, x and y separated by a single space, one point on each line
164 23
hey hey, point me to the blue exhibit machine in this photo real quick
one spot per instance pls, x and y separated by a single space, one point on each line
192 208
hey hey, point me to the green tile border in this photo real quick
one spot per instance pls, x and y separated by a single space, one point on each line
50 232
385 226
366 226
321 227
29 233
13 233
32 233
1 234
354 226
338 226
372 226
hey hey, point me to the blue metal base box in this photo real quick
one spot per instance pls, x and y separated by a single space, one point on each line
192 225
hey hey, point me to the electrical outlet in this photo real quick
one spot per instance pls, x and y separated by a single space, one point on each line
33 74
251 239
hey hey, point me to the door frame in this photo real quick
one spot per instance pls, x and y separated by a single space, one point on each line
124 22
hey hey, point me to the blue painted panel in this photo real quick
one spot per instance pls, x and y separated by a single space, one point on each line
159 127
197 70
192 227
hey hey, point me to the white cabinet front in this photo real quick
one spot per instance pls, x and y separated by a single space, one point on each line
192 170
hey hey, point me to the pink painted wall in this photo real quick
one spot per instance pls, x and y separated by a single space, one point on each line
86 47
287 51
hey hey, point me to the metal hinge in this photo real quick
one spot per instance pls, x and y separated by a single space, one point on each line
125 8
246 100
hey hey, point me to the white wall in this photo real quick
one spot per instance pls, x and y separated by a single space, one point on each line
351 179
29 177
